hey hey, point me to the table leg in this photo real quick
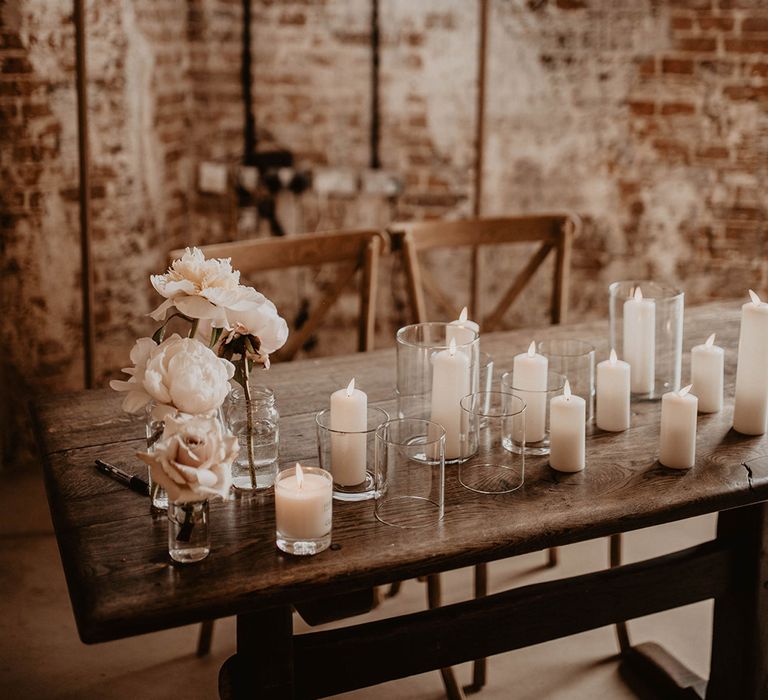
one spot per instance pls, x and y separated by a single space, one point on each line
739 667
263 665
622 631
479 666
453 690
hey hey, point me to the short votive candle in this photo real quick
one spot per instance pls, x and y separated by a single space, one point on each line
303 503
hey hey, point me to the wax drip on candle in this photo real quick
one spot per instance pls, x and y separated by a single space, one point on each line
463 315
351 387
299 475
710 341
613 357
452 347
638 294
755 299
567 390
684 391
532 349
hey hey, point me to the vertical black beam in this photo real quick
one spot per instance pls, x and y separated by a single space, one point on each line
246 79
375 105
83 152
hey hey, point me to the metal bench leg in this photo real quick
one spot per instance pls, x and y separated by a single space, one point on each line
204 638
622 631
434 595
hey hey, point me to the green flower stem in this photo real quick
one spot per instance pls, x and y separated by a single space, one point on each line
249 419
193 330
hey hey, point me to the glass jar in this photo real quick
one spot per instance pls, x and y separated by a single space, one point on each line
188 537
154 431
255 466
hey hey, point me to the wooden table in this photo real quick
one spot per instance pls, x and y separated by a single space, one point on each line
122 583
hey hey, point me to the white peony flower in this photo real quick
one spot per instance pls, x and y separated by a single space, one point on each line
181 373
210 290
193 459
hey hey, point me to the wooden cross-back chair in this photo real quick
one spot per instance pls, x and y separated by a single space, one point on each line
553 232
354 251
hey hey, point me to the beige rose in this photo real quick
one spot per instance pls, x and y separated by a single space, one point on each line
193 459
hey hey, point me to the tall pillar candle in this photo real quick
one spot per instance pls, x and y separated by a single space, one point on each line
750 409
303 503
678 429
450 384
640 342
529 382
567 428
349 416
462 330
613 394
707 363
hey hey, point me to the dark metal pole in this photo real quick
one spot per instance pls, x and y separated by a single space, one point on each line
83 147
375 105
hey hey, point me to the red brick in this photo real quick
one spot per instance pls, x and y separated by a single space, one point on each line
647 66
681 22
571 4
642 108
671 108
746 45
740 93
16 64
713 153
716 23
754 24
700 44
677 65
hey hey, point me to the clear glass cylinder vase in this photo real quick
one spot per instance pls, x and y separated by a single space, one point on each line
255 423
438 364
189 540
647 332
154 431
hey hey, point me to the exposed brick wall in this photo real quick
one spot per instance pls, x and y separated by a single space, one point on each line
647 117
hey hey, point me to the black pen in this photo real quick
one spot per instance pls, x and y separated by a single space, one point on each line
132 482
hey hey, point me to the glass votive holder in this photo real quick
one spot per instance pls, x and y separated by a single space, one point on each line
189 540
437 365
575 359
485 383
647 332
534 440
349 455
154 426
303 508
491 419
410 473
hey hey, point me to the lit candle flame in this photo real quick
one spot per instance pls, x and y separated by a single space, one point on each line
567 390
684 391
299 475
532 349
463 315
638 294
351 387
755 299
613 357
452 347
711 340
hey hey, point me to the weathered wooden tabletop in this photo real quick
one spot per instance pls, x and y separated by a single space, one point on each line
115 553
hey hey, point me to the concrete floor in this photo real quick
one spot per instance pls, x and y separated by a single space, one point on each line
42 657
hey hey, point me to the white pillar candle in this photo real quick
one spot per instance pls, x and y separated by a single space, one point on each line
349 414
529 382
613 394
750 409
450 384
303 503
678 429
567 428
462 330
707 363
640 341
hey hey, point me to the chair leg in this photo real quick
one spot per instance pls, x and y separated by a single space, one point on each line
552 557
622 631
452 688
204 638
479 666
394 589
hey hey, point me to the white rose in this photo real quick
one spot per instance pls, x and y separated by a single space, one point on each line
193 459
181 373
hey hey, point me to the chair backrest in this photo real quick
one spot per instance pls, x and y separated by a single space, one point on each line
553 231
355 251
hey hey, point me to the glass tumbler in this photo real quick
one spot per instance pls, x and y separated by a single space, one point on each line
576 360
490 421
189 540
647 332
154 430
410 473
437 365
534 439
349 455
